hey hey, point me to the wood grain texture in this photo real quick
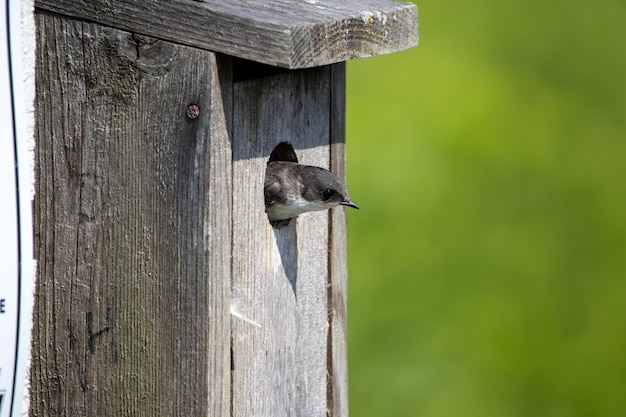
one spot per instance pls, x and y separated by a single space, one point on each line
280 276
338 253
132 210
287 33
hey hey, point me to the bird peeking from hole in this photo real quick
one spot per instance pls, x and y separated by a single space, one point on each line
292 189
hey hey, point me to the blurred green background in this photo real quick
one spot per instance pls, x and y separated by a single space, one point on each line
488 260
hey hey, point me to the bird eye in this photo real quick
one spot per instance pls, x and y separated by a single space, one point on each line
328 194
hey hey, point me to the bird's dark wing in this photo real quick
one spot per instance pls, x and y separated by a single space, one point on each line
275 191
273 188
283 152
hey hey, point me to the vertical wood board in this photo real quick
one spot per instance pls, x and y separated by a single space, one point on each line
132 209
338 252
280 277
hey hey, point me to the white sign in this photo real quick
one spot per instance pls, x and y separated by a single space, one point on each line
16 185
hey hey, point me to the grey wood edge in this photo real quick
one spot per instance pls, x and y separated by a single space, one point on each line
287 33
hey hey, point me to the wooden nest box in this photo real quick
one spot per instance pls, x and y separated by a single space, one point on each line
154 123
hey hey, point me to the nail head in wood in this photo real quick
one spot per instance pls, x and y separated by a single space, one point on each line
193 111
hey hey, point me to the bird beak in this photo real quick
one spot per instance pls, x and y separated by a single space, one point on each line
349 203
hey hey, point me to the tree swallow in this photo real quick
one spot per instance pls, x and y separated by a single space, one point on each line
292 189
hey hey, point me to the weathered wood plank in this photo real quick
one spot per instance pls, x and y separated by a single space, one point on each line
287 33
280 277
338 252
132 211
